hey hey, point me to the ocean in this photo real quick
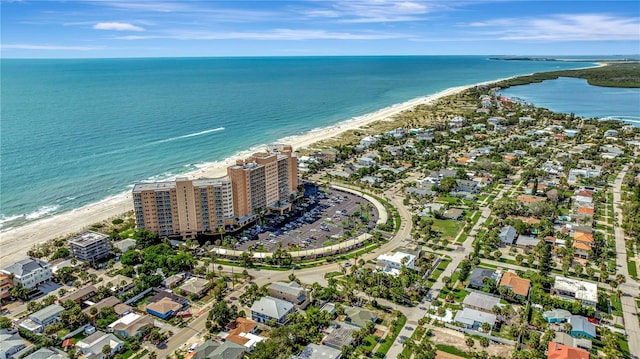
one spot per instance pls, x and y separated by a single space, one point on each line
573 95
77 131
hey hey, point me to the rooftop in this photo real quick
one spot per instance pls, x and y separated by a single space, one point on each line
88 238
559 351
315 351
520 286
272 307
582 290
47 312
26 266
470 316
479 300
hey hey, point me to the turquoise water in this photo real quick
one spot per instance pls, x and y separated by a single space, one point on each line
74 131
571 95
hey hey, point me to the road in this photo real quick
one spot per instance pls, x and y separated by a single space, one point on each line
630 288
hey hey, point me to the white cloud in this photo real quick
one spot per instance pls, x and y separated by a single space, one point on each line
563 27
375 11
117 26
49 47
276 34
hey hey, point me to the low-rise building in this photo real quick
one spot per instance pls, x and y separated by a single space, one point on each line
568 340
164 308
125 245
476 279
473 319
291 292
131 325
359 316
213 350
559 351
270 308
6 284
574 289
519 286
243 331
581 327
47 353
318 351
481 302
42 318
340 334
195 286
29 272
508 235
92 345
80 295
556 315
11 344
90 246
391 263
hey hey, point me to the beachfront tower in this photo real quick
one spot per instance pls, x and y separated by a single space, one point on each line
184 207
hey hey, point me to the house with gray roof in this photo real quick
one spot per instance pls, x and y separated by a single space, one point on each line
195 286
80 295
524 241
315 351
581 327
359 316
508 235
481 302
42 318
268 308
125 245
568 340
340 334
291 292
29 272
92 345
11 344
476 279
473 319
47 353
213 350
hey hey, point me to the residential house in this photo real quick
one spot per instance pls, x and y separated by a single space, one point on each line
453 213
291 292
131 325
581 327
359 316
610 133
560 351
582 250
47 353
111 301
482 302
79 295
519 286
473 319
92 345
508 235
125 245
569 288
467 186
6 284
457 122
528 199
29 272
568 340
119 284
583 197
270 308
243 331
213 350
392 263
315 351
340 334
525 241
164 308
173 281
11 344
476 279
42 318
368 141
195 286
556 315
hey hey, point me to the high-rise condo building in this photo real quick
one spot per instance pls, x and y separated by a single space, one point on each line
183 207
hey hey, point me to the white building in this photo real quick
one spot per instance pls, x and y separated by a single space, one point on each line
90 246
391 263
29 272
584 292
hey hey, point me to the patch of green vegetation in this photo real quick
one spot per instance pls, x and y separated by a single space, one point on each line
448 228
612 75
388 341
633 270
453 350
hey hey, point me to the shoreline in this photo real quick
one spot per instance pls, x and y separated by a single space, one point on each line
16 241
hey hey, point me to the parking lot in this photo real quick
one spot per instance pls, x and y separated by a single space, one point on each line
320 221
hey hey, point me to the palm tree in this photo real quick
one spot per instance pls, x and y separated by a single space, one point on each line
470 343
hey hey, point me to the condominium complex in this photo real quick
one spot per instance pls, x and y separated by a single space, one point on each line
90 246
186 207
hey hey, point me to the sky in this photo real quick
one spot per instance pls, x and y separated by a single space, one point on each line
114 28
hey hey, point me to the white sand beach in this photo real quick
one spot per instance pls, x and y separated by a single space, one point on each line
15 242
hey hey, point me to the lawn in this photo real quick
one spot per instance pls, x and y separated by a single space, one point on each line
388 341
616 305
633 270
438 271
449 228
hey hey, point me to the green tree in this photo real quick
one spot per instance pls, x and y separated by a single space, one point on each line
470 343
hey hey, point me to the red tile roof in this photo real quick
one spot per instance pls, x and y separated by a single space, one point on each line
560 351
